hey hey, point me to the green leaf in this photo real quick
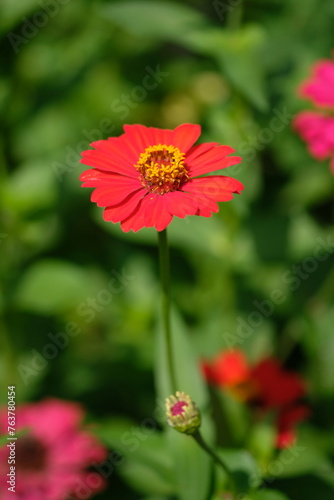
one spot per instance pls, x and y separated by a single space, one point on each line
243 467
146 463
238 53
52 286
159 20
241 61
192 467
297 460
31 187
13 13
145 479
267 495
154 498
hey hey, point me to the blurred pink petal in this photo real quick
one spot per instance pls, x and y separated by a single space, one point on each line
320 86
317 130
53 455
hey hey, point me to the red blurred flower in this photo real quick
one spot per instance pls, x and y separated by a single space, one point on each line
148 175
317 127
230 370
277 387
53 455
286 423
266 385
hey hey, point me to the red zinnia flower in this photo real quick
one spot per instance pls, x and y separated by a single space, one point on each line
53 456
148 175
230 370
267 385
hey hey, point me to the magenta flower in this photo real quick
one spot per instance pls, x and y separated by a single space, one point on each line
320 87
52 456
316 128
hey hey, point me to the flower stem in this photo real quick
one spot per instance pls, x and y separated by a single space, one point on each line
165 284
199 439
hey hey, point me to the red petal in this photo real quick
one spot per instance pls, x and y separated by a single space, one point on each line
151 212
98 178
205 205
139 136
198 150
205 212
180 204
155 212
143 137
185 135
217 187
118 149
112 194
123 210
231 368
285 438
134 221
277 386
94 177
213 159
106 162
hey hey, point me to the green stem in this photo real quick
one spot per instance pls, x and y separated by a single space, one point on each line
165 284
235 16
199 439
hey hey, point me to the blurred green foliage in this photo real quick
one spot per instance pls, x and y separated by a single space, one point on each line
73 72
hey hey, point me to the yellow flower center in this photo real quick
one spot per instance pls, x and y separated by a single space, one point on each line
162 168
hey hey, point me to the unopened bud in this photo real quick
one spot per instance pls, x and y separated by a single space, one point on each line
182 413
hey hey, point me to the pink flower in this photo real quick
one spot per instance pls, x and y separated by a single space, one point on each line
320 87
52 455
148 175
316 128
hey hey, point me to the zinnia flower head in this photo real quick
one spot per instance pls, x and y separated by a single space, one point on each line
182 413
317 130
277 386
52 454
316 127
230 370
319 88
266 386
148 175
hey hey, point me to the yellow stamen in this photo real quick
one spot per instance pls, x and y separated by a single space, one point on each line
162 168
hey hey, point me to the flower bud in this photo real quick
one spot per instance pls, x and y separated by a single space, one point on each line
182 413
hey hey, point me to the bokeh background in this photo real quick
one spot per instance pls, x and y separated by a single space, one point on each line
75 71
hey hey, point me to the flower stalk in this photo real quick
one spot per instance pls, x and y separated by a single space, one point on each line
199 439
184 416
165 285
